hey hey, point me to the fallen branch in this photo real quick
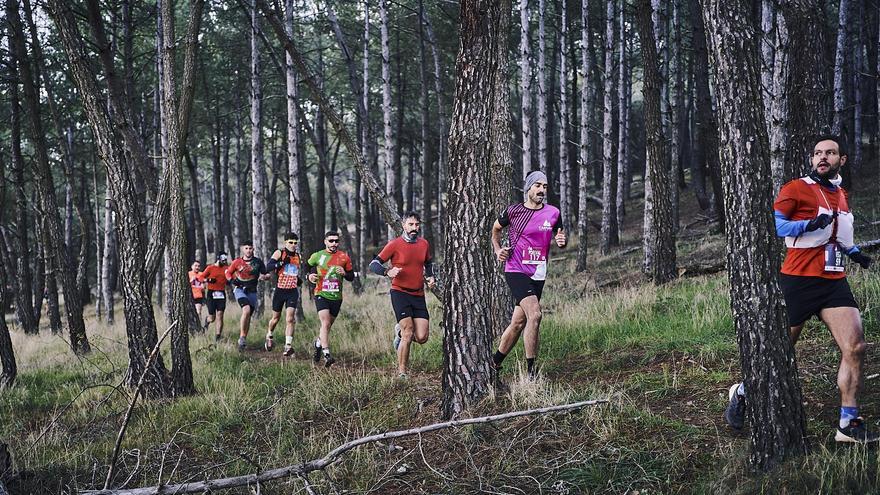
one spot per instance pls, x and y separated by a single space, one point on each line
131 404
319 464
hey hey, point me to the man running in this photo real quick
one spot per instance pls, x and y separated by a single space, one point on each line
214 277
197 287
531 226
328 267
813 215
411 266
285 262
244 273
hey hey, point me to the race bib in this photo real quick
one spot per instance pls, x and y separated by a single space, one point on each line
532 256
291 269
833 258
330 285
218 294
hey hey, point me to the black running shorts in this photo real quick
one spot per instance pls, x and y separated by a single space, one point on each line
322 303
408 306
522 286
290 297
198 300
215 300
807 296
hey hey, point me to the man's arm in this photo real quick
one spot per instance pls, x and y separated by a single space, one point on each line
502 253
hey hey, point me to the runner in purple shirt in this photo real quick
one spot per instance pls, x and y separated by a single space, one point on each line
531 226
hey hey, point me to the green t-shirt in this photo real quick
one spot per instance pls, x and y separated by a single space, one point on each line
329 284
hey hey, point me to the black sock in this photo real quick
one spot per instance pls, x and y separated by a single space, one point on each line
531 364
498 357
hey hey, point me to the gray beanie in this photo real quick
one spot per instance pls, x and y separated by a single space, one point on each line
534 176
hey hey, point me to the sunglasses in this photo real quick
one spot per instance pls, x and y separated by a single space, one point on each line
333 241
292 242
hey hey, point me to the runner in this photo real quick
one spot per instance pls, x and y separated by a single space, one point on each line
215 278
814 216
244 273
530 228
411 266
285 262
328 267
197 287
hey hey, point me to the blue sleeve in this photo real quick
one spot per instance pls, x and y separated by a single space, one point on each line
789 228
376 266
271 265
853 250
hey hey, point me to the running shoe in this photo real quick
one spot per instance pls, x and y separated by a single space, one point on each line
735 414
397 337
856 432
533 374
269 345
288 350
328 360
316 357
216 337
241 343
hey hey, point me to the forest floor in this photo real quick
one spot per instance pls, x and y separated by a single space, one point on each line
663 357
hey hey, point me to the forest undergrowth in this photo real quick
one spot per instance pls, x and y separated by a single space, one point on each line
662 356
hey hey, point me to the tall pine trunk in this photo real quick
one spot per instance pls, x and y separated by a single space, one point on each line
475 157
387 132
586 109
623 102
565 186
775 408
259 218
525 86
542 91
659 260
610 236
293 158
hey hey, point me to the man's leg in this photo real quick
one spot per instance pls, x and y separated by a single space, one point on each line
532 309
290 322
421 330
406 337
511 334
276 317
245 324
327 320
846 327
219 318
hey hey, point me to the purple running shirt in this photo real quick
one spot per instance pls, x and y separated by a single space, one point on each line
529 233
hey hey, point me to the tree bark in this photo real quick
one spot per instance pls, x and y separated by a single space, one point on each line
467 370
610 235
425 161
293 158
779 104
768 48
623 103
387 133
140 323
46 189
775 408
440 172
841 62
175 121
258 168
8 367
586 108
542 91
565 185
659 243
525 86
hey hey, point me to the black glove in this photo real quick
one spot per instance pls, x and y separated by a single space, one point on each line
819 222
861 259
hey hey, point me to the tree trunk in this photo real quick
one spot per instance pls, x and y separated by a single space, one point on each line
660 264
24 306
8 368
439 174
426 161
198 227
46 189
140 324
467 370
108 263
525 86
387 135
542 91
258 168
610 235
565 185
775 408
53 309
768 48
841 63
293 158
365 137
706 130
623 102
586 108
676 108
99 247
855 160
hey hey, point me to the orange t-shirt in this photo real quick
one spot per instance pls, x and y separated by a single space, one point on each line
197 285
798 200
218 273
411 259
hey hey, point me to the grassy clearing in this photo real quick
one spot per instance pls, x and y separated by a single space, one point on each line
664 356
